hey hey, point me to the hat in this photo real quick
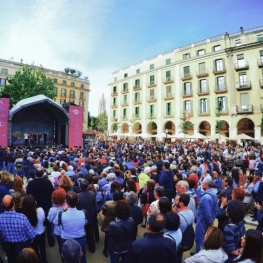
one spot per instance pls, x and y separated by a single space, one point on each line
91 172
147 170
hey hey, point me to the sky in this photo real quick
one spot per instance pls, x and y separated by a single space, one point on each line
98 37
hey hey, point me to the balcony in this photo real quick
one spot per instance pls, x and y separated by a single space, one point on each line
114 105
137 87
168 96
168 80
220 89
187 93
241 66
151 116
72 96
124 104
244 85
203 112
81 98
126 90
186 76
188 112
203 91
63 95
137 101
152 99
219 70
137 116
114 93
202 73
223 111
169 114
244 109
261 83
151 84
124 117
260 63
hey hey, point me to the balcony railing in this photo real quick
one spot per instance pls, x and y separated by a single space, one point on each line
137 116
137 87
245 109
72 96
124 117
168 80
219 70
151 99
114 93
186 76
168 96
241 65
187 93
260 63
244 85
220 88
202 73
203 112
126 90
124 103
114 105
203 90
63 95
137 101
189 112
223 110
168 114
261 83
151 115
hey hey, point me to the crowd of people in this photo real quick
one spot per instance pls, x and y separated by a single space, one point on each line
175 190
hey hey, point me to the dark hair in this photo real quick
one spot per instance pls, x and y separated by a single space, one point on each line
83 183
253 247
156 222
166 165
131 186
122 209
165 205
235 211
172 221
72 199
150 184
39 172
115 186
184 198
117 195
27 255
214 238
29 209
235 175
159 190
250 178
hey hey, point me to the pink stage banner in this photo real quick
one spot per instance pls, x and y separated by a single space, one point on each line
4 112
75 126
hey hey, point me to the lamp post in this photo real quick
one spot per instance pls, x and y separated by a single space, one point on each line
166 131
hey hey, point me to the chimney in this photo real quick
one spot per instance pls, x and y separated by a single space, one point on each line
241 30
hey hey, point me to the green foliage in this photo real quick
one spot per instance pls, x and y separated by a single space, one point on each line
102 122
116 125
67 70
185 124
72 71
28 82
219 123
261 122
93 123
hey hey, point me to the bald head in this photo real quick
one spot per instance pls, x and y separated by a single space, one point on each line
8 202
182 186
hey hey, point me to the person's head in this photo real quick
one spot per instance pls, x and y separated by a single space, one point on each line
27 255
131 186
165 205
115 186
238 194
155 222
65 182
17 197
29 209
215 174
172 221
252 243
71 251
147 170
58 197
214 238
40 172
8 202
122 209
158 192
111 177
72 199
166 165
150 184
132 170
182 186
207 183
228 182
182 200
235 211
249 179
18 184
131 197
83 183
117 195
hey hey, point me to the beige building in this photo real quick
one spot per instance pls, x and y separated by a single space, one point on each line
216 79
68 88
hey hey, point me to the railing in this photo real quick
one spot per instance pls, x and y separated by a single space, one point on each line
126 90
244 85
203 112
223 110
203 90
114 93
138 100
168 114
260 63
186 76
245 109
220 88
137 87
202 73
124 117
241 65
261 83
219 70
137 116
168 96
187 93
151 98
151 115
72 96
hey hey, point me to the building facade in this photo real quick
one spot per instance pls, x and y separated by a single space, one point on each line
217 80
68 88
102 105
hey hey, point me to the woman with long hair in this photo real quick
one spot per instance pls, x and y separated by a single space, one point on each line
36 217
66 183
18 186
251 243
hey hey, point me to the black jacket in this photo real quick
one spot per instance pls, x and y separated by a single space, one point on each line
136 214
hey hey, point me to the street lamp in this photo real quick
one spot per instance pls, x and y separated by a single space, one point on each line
166 131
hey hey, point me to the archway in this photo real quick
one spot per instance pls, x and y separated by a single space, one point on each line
205 128
125 128
223 128
137 128
246 126
152 128
190 130
170 126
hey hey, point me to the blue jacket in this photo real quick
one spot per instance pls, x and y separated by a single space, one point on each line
167 181
218 183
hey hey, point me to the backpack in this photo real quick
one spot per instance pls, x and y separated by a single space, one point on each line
188 238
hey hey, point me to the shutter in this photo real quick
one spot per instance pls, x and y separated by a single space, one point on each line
208 106
224 65
226 103
200 105
214 64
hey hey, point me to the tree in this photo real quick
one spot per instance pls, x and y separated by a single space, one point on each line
116 125
72 71
102 122
28 82
67 70
93 123
185 124
219 123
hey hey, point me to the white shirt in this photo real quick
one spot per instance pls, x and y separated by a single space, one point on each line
39 229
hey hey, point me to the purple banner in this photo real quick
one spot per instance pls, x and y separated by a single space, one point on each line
4 112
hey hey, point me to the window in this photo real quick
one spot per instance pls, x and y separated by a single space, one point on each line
168 61
115 78
219 65
72 94
125 99
187 72
137 96
137 71
151 66
203 86
137 112
81 104
114 101
168 91
81 95
187 106
125 75
137 83
82 86
220 81
72 101
217 48
64 82
114 90
200 52
62 102
244 101
186 55
125 87
243 79
260 38
2 82
151 94
55 80
168 75
124 113
241 61
187 88
203 105
55 90
114 114
168 109
221 102
151 111
63 92
72 84
3 71
202 69
261 56
152 80
238 42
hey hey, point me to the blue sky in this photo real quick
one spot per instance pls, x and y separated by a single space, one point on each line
101 36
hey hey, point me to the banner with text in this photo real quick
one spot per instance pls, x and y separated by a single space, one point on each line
4 112
75 126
